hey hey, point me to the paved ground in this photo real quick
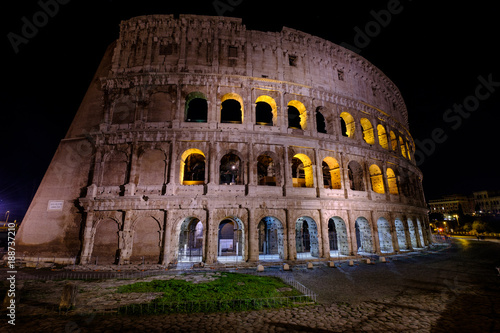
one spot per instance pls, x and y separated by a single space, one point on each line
456 290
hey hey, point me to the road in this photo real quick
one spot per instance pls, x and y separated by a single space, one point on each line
453 290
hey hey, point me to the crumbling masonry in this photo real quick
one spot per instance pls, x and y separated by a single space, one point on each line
199 140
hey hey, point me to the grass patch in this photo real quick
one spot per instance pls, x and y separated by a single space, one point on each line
229 292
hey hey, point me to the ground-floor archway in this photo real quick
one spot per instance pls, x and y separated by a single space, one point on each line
384 235
337 237
364 238
306 238
401 234
413 234
230 244
271 239
191 240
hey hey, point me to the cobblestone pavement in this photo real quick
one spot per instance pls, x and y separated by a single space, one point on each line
456 290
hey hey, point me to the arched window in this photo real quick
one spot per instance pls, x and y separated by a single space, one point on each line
265 111
392 181
377 179
331 173
302 172
403 147
355 173
367 128
382 137
394 141
115 169
196 108
297 115
231 172
266 170
192 170
231 109
320 122
347 124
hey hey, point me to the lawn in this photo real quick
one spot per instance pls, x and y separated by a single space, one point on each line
228 292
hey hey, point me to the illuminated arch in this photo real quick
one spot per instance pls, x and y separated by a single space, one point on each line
232 110
382 137
392 181
403 147
302 114
367 128
347 124
261 116
192 167
331 173
302 171
394 141
377 179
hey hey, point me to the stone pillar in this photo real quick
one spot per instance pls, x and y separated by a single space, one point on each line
375 235
212 239
167 239
394 234
324 234
126 238
409 244
88 239
253 237
290 234
351 224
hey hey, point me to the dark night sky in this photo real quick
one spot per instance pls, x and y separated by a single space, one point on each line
434 54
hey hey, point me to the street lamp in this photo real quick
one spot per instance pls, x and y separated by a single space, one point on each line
456 217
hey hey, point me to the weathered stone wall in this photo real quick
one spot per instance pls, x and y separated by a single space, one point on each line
172 131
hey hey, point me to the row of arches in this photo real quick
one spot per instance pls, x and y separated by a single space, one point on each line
266 114
267 169
272 240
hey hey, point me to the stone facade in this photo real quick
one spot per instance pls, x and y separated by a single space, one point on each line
199 140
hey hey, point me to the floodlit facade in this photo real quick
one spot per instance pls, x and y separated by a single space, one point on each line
201 141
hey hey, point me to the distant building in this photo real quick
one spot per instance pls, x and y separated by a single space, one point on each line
487 202
450 204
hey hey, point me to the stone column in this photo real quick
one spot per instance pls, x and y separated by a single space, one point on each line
375 235
88 239
324 234
290 235
126 238
253 237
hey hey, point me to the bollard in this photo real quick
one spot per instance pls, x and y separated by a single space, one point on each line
351 262
331 264
68 297
260 268
310 265
286 267
382 259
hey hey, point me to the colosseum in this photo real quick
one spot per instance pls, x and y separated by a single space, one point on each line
201 141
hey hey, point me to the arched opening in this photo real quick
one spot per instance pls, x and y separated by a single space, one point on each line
302 171
408 152
394 141
191 240
337 237
105 250
367 129
266 171
382 137
400 232
265 111
230 240
331 173
196 109
231 109
392 181
402 146
231 170
420 233
271 239
192 170
384 235
147 243
320 122
355 173
347 124
297 115
413 234
377 179
364 239
306 238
